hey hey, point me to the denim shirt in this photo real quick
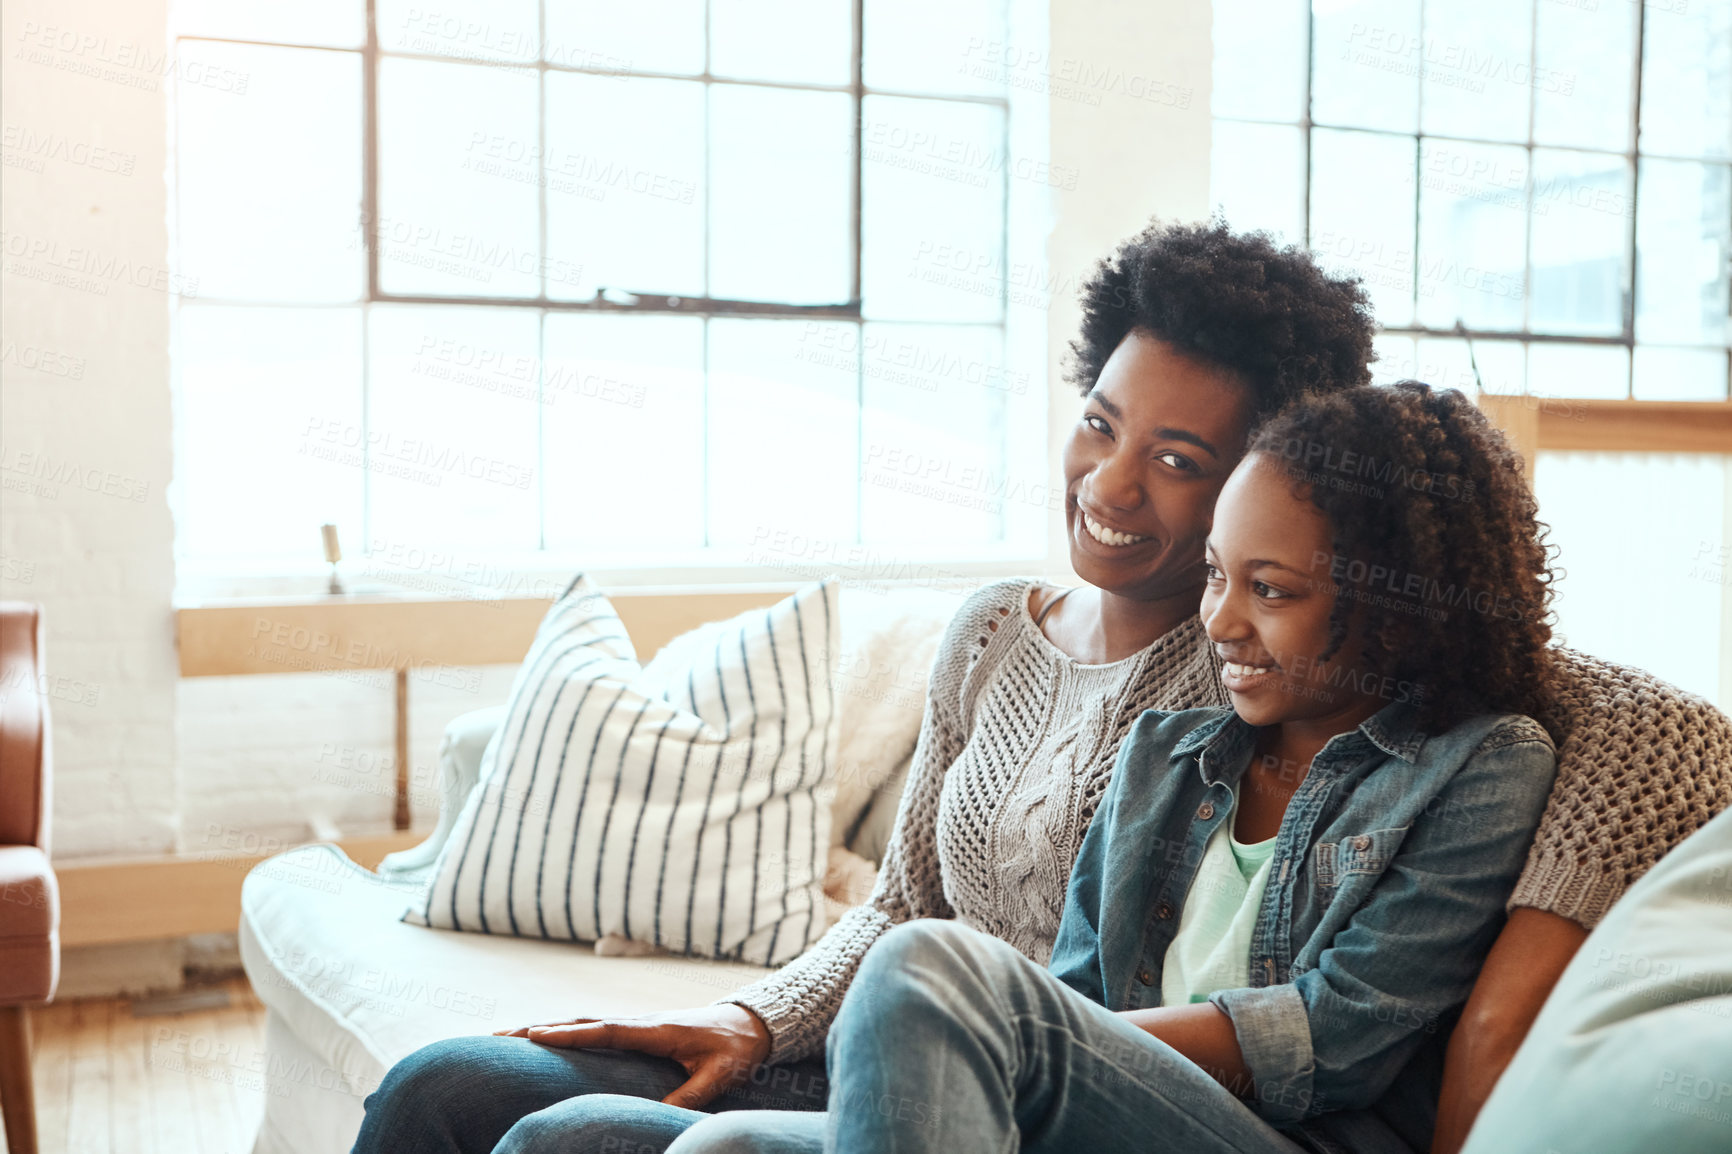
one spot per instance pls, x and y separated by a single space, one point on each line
1387 887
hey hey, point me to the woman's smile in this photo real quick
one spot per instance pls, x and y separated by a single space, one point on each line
1112 538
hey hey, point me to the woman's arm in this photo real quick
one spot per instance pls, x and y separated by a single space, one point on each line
1523 966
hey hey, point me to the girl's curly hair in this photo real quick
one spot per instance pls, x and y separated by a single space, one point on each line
1238 300
1436 546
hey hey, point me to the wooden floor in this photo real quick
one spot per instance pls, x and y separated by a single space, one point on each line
111 1083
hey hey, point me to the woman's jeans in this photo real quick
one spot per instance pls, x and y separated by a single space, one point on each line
483 1094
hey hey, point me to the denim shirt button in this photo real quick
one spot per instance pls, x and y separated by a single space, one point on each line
1361 843
1206 811
1145 977
1164 910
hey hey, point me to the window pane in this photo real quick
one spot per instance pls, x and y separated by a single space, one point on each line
1687 79
932 458
461 29
451 461
448 224
1362 214
1475 68
797 41
1257 177
1472 235
642 36
1450 364
331 23
781 181
1667 509
1367 58
1581 221
1683 240
1395 361
1260 59
1664 374
955 48
1597 372
1583 55
784 420
624 398
932 183
269 174
270 419
625 198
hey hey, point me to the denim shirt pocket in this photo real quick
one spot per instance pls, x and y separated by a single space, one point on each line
1362 853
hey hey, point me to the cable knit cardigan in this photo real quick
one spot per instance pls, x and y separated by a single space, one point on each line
1018 743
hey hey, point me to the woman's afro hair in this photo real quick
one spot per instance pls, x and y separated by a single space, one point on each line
1437 549
1238 300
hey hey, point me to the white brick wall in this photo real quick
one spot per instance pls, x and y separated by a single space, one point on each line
85 452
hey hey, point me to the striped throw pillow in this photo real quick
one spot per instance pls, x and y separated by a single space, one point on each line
686 805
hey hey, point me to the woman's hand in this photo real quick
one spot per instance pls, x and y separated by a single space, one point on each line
719 1046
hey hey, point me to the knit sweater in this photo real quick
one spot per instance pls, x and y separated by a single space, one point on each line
1018 743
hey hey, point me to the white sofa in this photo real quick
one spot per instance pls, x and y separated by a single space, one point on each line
350 989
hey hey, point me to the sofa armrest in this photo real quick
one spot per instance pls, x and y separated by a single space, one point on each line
461 750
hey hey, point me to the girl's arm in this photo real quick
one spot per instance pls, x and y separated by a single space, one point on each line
1203 1034
1519 974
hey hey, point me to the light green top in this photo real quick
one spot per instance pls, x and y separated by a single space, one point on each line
1213 948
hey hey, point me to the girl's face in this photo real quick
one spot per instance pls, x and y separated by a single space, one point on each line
1159 435
1267 602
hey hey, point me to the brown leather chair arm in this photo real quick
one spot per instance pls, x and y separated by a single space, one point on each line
25 763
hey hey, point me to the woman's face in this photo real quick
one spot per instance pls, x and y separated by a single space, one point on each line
1267 603
1158 436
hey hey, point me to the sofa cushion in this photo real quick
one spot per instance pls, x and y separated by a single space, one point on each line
1631 1050
889 638
326 952
685 805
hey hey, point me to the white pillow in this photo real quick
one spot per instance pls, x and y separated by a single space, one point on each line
686 807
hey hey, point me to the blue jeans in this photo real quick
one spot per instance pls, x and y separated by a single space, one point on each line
950 1040
488 1095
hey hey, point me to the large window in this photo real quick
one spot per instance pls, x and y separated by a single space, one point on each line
682 283
1552 176
1538 195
